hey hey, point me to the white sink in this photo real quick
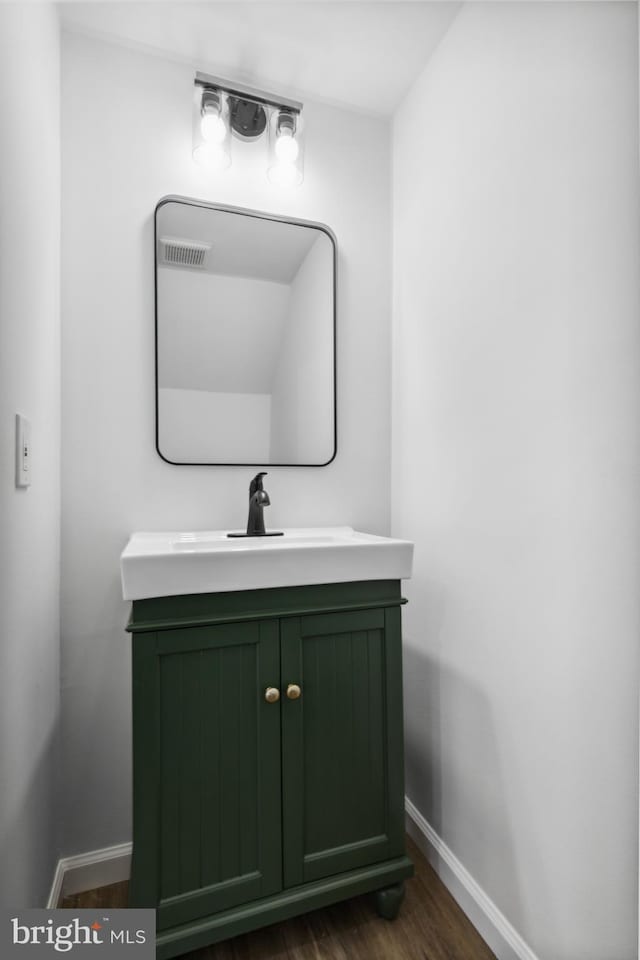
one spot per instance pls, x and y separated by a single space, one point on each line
170 564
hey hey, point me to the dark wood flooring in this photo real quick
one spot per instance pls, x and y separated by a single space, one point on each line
431 926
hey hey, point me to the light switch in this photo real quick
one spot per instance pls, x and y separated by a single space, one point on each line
23 451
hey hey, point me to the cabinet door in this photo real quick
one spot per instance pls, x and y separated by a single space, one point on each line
343 794
207 812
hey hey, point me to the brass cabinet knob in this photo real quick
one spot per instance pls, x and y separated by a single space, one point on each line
272 694
293 691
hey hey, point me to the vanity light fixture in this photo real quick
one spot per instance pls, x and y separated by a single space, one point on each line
223 111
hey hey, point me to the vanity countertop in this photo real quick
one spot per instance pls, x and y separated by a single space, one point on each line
158 564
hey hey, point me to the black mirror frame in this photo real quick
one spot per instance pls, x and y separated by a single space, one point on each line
256 214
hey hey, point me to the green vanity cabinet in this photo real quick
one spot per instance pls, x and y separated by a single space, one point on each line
268 770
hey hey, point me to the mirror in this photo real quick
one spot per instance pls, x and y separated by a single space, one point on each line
245 337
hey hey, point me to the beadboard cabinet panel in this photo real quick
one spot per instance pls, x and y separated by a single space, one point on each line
218 804
338 791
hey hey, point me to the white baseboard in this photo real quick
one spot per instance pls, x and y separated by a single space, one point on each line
491 924
87 871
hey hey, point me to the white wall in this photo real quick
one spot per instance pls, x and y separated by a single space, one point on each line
516 461
30 385
218 332
204 425
302 388
126 129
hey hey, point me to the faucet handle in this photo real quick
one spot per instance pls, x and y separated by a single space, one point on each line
256 483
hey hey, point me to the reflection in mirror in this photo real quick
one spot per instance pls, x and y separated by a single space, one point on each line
245 328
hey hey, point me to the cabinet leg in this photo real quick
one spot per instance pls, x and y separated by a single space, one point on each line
387 901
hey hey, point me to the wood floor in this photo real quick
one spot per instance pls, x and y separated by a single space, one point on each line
431 926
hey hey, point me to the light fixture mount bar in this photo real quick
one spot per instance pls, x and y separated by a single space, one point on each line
245 92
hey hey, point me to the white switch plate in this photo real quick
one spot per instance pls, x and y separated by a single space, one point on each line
23 451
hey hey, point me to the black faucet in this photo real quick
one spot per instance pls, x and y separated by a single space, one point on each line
258 500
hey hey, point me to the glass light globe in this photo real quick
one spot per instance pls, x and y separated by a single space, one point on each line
287 147
211 156
213 127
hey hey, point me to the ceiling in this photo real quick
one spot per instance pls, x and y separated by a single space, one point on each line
350 53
